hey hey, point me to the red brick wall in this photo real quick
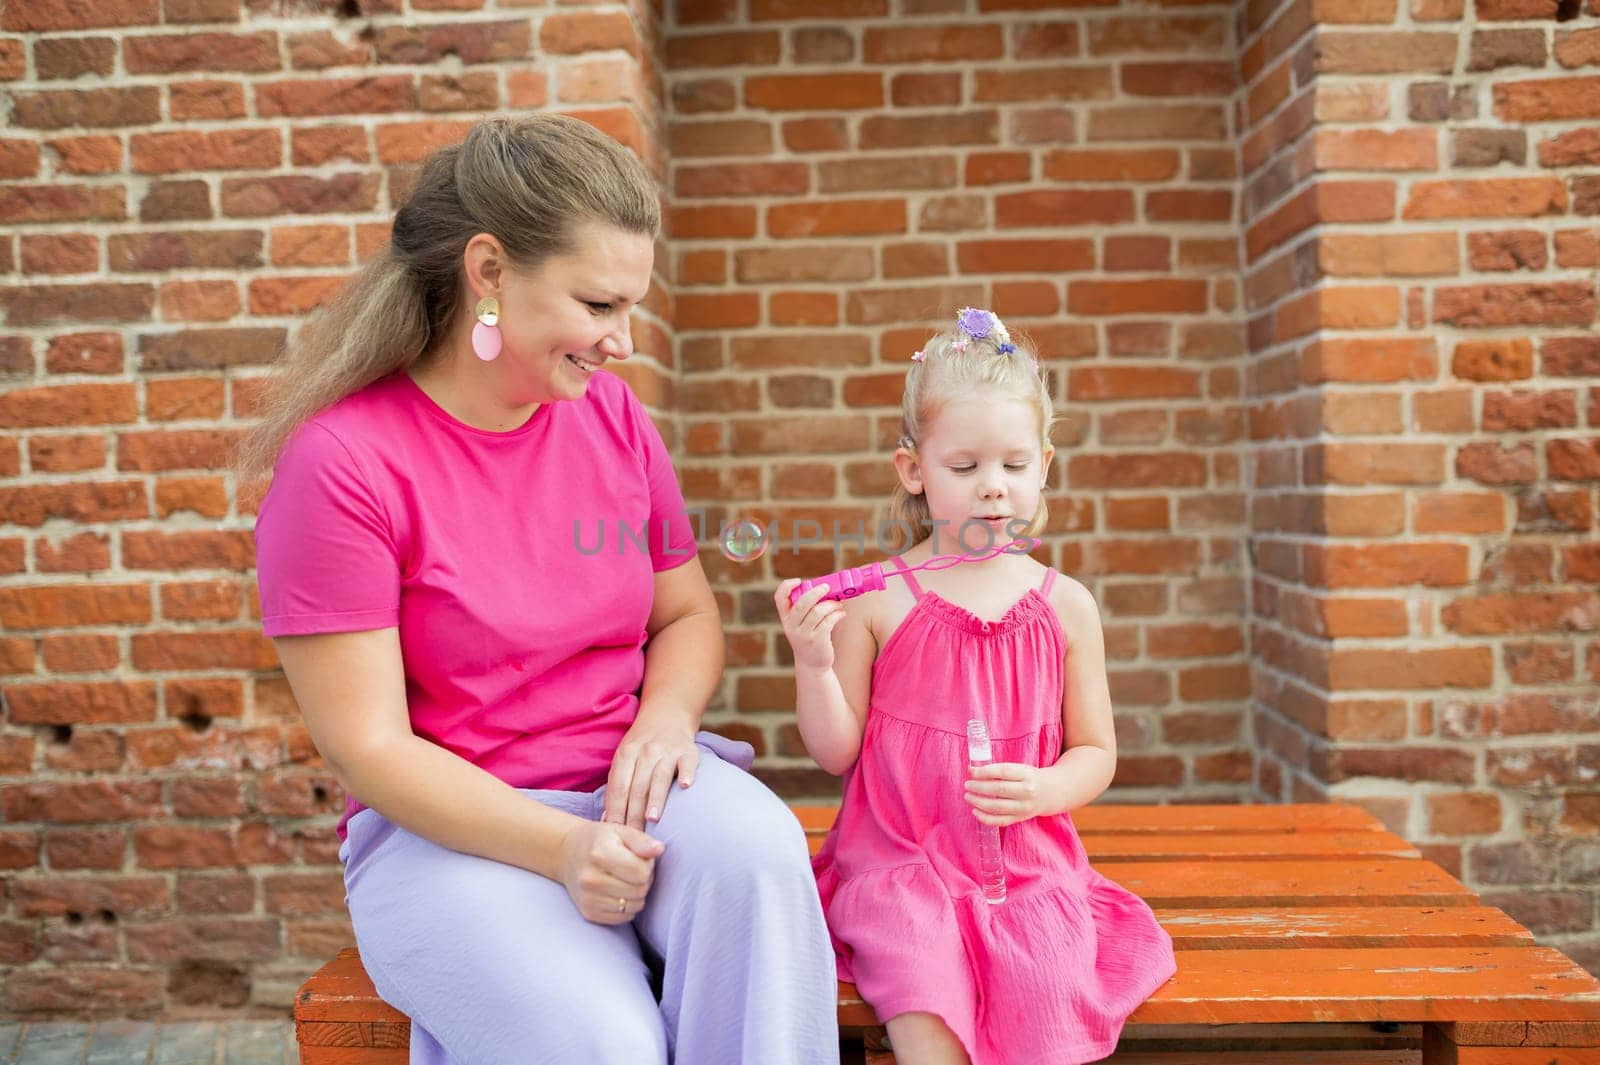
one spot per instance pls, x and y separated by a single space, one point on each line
1325 457
1421 252
843 184
180 181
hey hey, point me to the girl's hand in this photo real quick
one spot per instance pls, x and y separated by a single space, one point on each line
809 625
607 870
642 771
1004 793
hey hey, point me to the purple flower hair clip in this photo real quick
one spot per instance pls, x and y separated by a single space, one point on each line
979 324
976 323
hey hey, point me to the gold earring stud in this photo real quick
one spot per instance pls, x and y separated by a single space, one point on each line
488 311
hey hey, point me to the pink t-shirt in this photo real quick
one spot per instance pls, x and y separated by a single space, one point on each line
518 566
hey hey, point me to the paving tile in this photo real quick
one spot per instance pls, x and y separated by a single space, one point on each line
186 1044
10 1039
257 1043
53 1043
121 1043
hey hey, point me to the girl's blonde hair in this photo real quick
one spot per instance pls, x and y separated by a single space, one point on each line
527 181
949 369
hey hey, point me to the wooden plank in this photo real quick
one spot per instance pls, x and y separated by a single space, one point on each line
1267 1057
1318 985
1236 846
355 1033
816 817
1289 883
1516 1056
1535 961
1403 1056
1263 1053
1244 846
1292 817
1523 1033
1408 984
1342 927
315 1055
1438 1049
333 1033
1275 819
1209 1038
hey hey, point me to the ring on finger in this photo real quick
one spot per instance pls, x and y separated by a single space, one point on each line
622 904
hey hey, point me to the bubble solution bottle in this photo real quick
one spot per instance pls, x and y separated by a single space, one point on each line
991 863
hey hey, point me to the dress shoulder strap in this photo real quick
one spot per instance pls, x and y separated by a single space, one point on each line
1049 582
911 581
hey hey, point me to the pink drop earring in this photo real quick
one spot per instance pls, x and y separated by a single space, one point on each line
486 337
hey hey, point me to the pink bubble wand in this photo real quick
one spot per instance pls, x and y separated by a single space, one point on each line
859 580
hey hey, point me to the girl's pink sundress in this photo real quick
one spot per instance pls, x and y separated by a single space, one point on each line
1046 977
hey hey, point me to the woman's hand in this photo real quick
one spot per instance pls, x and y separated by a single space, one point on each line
607 870
649 756
809 625
1004 793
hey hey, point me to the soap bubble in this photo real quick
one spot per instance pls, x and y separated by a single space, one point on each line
744 540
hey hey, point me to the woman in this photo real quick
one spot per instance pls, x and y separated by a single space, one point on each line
544 861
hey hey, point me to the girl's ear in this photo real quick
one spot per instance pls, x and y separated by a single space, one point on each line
1044 470
909 470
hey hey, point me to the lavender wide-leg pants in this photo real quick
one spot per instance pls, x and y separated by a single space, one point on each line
494 965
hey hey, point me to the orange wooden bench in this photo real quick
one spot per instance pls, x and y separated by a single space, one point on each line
1296 927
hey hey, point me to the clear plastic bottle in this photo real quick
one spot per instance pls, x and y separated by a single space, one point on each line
991 863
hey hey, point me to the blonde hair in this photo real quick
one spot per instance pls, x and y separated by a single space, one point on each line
526 181
946 372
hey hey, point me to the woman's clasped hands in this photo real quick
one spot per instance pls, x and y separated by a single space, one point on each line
607 869
607 866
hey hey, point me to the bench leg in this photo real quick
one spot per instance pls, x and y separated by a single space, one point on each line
1511 1043
876 1044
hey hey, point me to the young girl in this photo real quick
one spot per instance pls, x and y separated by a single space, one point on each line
885 686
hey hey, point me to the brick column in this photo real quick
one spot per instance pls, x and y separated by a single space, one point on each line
1425 490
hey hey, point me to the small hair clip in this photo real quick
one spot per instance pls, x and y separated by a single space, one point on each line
918 356
959 344
1007 349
